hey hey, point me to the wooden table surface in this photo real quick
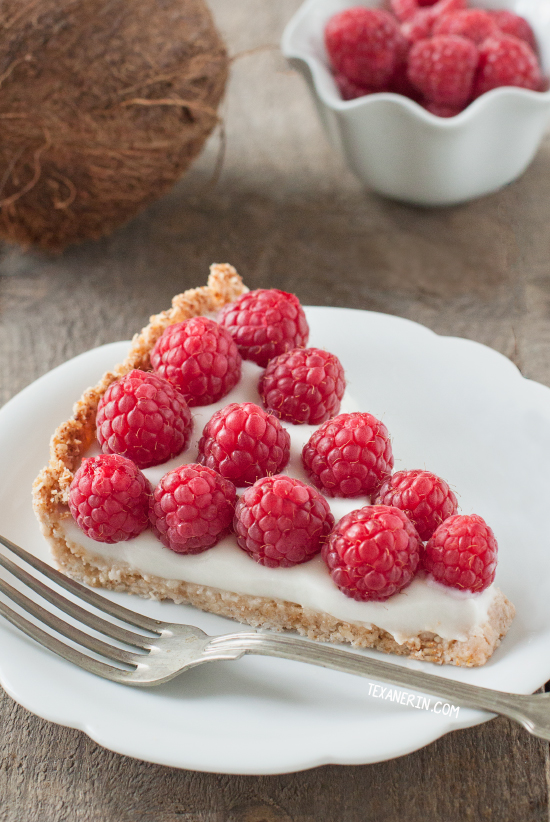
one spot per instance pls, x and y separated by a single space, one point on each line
287 214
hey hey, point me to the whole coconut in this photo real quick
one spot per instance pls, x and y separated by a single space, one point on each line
103 105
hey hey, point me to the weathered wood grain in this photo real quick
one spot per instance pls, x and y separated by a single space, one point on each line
50 774
288 214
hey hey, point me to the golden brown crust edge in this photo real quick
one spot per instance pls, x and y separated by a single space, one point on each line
73 437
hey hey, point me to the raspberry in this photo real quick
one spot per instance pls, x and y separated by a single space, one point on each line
445 6
350 90
192 508
510 23
474 24
443 69
420 25
404 9
425 498
400 84
281 521
507 61
442 111
462 553
303 386
265 323
243 443
144 418
365 45
349 456
373 553
200 358
109 498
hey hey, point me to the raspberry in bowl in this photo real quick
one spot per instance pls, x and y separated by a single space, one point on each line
433 151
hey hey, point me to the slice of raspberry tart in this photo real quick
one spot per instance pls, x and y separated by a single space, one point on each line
223 465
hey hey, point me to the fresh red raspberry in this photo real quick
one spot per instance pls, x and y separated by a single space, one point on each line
192 508
243 443
462 553
474 24
350 90
305 385
510 23
349 456
505 60
404 9
400 84
445 6
425 498
281 521
442 111
265 323
145 418
200 358
443 69
109 498
420 25
365 45
373 553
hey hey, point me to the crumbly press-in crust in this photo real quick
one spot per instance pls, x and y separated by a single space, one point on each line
72 439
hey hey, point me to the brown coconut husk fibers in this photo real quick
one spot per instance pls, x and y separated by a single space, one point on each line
103 105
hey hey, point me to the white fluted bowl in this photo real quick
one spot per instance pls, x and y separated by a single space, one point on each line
403 151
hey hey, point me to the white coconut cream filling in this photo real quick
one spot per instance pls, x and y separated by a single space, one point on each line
424 606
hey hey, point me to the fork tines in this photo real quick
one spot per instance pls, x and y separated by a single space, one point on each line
126 659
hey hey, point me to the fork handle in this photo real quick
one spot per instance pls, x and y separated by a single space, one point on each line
533 712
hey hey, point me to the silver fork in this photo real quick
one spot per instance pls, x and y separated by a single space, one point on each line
162 650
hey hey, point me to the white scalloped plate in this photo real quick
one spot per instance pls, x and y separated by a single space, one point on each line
453 406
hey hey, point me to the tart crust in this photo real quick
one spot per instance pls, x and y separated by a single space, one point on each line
71 441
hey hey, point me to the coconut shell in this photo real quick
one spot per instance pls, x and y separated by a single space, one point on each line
103 106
